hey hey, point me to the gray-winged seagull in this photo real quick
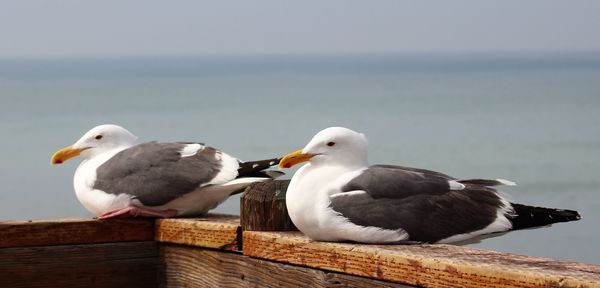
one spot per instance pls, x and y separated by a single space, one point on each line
118 178
337 196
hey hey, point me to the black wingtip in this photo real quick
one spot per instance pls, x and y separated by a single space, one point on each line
567 215
530 216
255 168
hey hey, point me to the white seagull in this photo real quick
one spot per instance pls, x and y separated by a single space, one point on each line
119 178
337 196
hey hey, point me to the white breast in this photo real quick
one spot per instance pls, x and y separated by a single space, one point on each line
308 203
96 201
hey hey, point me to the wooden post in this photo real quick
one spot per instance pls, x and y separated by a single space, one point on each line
263 207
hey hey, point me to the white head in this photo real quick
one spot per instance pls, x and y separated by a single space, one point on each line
331 146
98 140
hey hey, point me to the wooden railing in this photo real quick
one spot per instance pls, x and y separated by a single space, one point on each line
216 251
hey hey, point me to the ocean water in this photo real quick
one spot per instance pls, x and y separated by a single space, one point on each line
533 119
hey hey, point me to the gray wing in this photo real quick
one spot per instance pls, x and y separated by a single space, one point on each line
425 217
155 173
419 170
387 181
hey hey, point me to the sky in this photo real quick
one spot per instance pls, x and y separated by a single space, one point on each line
117 28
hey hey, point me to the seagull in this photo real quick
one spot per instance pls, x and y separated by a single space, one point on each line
337 196
119 178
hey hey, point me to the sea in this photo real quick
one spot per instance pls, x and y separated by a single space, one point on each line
533 118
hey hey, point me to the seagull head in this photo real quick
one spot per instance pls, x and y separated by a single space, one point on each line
331 146
100 139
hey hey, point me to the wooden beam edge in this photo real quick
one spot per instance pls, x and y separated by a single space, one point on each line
74 231
124 264
185 266
423 265
216 231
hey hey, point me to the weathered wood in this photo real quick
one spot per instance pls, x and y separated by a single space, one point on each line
30 260
212 231
183 266
74 231
262 207
423 265
131 264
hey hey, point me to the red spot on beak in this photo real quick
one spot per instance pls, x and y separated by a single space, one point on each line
287 165
58 162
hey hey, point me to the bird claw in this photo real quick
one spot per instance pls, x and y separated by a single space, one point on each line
134 211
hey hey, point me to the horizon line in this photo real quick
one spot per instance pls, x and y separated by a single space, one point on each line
492 53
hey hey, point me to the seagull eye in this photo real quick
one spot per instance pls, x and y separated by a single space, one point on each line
98 137
330 144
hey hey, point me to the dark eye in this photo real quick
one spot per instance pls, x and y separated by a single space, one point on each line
98 137
330 144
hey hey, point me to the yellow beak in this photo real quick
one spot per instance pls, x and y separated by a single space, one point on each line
294 158
65 154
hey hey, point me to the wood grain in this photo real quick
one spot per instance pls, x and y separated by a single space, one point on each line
262 207
212 231
184 266
74 231
423 265
131 264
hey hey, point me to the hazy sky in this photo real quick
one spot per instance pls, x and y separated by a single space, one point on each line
123 28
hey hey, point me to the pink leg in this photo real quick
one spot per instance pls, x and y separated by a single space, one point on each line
134 211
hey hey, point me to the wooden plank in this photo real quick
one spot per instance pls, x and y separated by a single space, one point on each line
423 265
212 231
74 231
263 207
184 266
131 264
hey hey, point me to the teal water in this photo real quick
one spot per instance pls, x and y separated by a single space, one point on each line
532 119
